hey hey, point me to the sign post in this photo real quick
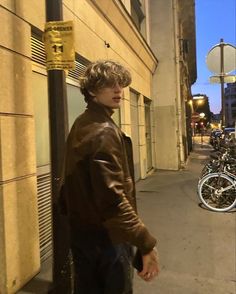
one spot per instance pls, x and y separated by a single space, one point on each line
59 53
195 118
221 59
222 73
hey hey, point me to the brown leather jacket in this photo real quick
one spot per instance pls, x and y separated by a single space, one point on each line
99 182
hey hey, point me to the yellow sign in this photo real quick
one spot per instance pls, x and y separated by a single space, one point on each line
59 45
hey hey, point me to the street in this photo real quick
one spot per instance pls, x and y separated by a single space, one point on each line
196 246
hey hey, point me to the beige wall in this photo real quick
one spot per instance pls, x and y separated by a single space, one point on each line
169 109
97 22
142 138
100 21
164 85
127 4
19 245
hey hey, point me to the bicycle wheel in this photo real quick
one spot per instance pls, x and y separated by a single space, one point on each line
217 192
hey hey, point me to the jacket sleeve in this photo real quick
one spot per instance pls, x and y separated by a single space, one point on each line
107 179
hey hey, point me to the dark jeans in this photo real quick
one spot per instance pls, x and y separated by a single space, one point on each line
103 270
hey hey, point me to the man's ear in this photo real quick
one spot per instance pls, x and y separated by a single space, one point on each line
91 93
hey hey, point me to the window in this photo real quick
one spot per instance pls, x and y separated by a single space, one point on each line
134 113
40 97
76 103
137 13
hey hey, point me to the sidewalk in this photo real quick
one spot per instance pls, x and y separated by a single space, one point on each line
196 246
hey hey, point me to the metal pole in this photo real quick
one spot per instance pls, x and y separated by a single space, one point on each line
222 44
235 131
58 130
201 139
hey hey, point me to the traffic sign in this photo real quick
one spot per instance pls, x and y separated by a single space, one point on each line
195 117
214 58
227 79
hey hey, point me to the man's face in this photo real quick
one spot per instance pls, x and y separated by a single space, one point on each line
109 96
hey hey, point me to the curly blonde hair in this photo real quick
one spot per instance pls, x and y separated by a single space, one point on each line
101 74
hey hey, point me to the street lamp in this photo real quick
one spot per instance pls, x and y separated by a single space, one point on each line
198 102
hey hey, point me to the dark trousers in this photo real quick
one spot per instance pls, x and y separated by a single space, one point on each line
103 270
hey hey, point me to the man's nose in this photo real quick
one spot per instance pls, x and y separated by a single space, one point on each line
118 88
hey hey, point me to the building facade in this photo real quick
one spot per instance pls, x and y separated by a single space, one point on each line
173 42
230 105
153 110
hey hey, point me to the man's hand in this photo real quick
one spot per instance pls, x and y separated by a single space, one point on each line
150 266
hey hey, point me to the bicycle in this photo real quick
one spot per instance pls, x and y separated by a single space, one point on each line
217 191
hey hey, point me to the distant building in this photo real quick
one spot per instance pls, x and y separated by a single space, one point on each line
230 104
215 120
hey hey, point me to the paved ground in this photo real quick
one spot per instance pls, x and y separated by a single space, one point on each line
197 247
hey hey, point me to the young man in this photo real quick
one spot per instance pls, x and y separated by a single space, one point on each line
99 191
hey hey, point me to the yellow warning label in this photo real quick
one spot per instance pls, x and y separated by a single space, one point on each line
59 45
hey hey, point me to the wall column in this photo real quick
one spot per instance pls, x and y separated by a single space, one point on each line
142 138
19 238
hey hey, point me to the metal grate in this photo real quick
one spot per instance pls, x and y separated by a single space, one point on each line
78 71
38 51
45 215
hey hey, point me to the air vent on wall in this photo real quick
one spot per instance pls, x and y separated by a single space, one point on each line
78 71
45 215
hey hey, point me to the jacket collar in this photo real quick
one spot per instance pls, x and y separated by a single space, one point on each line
99 108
